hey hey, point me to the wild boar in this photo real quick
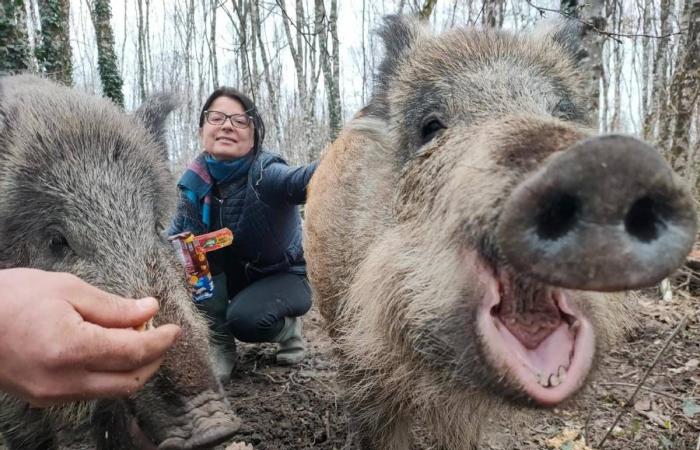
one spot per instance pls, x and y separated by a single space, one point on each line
464 232
87 190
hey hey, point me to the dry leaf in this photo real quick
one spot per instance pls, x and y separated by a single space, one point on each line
642 405
657 418
568 439
239 446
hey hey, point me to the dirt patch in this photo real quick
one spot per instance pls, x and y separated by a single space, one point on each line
300 408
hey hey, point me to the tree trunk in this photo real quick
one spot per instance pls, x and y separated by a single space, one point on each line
54 52
141 51
101 15
241 9
616 76
213 60
656 112
15 55
685 89
646 50
272 94
296 48
329 62
592 63
493 13
427 10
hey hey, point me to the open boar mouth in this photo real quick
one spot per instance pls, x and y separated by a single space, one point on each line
534 335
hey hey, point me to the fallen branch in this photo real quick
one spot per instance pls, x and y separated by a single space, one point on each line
644 378
661 393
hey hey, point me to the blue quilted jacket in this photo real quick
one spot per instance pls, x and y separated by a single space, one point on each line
261 210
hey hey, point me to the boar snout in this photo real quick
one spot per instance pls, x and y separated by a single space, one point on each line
607 214
200 422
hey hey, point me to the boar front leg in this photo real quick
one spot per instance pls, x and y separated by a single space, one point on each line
381 429
454 425
25 428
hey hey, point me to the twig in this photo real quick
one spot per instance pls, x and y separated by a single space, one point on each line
589 416
644 378
697 446
664 394
269 377
630 373
596 29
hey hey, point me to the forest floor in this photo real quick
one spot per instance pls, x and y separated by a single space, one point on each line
300 407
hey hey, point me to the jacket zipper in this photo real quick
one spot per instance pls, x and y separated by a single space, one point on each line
221 212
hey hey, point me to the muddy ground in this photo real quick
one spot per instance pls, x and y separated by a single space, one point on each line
300 408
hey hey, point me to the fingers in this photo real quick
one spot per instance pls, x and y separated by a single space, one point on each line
94 385
112 349
105 309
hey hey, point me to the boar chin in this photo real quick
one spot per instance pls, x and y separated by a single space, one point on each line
534 336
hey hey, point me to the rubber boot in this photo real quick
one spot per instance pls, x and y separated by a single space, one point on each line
291 344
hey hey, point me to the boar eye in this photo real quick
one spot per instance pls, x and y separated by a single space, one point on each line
58 244
565 109
430 128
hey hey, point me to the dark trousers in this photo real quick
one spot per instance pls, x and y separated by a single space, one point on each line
256 313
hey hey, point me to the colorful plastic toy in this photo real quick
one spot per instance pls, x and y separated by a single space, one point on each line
192 251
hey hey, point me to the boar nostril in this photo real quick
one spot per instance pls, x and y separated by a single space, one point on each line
558 216
643 220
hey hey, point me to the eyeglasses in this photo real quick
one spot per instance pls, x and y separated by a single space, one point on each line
217 118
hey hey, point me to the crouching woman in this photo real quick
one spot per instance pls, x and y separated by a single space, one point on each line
260 285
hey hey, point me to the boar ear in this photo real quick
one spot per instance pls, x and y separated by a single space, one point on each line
153 113
399 34
568 34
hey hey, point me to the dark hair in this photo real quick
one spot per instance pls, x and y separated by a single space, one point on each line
248 106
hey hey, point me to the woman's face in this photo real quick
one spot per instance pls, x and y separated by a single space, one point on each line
226 141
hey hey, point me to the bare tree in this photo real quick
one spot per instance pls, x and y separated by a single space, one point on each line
101 14
592 14
685 88
213 60
141 50
54 52
427 10
615 63
15 55
267 72
329 61
656 113
493 13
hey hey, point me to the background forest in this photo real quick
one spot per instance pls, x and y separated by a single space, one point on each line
309 63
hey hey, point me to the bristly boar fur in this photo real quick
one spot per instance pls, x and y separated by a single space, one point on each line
87 190
401 224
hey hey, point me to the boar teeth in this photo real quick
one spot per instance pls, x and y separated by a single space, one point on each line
552 380
562 373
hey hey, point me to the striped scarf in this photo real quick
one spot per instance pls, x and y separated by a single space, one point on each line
199 178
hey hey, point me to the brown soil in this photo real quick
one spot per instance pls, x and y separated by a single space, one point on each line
300 408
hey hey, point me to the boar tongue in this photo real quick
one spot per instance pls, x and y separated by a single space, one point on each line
534 326
528 310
